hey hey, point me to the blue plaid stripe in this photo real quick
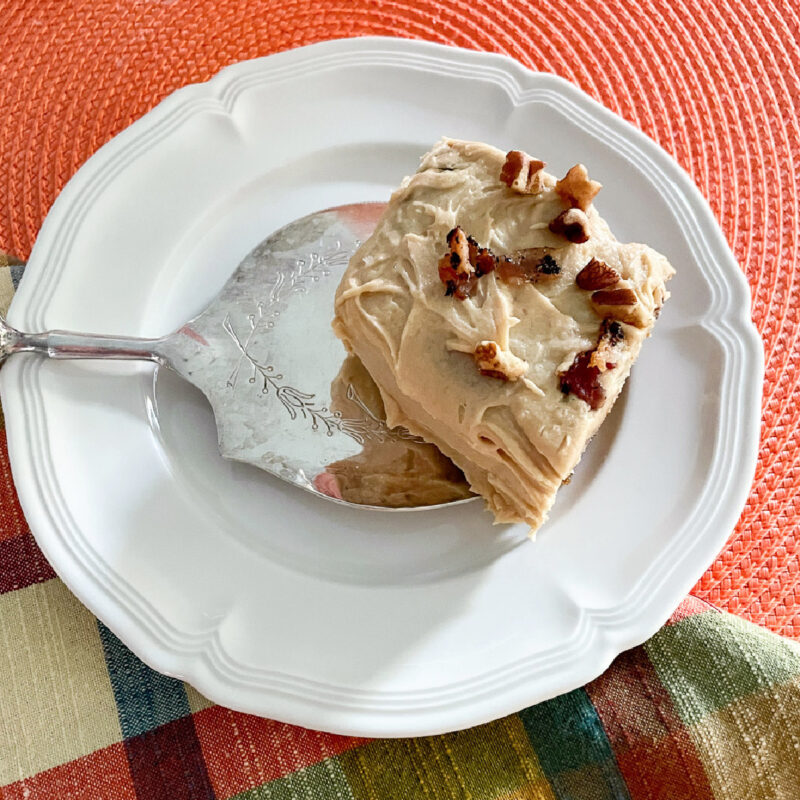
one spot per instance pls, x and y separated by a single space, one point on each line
145 699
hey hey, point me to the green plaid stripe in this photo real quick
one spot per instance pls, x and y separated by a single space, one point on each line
705 665
493 760
323 780
655 725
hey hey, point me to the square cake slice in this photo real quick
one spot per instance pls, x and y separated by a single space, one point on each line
499 317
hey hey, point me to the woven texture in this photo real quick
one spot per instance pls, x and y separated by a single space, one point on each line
710 707
715 82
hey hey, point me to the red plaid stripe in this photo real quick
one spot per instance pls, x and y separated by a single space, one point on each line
102 775
654 749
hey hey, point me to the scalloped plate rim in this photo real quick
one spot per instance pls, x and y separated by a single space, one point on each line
608 632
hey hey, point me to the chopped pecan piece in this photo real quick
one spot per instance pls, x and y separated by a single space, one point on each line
621 304
614 297
522 173
576 189
481 258
496 363
459 286
459 252
596 275
572 224
456 268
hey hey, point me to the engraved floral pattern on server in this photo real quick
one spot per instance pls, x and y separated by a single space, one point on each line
304 404
291 277
297 403
377 428
294 276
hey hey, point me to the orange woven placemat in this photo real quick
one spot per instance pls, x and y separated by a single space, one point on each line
715 82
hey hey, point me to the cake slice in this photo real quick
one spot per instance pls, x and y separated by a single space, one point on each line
499 317
392 472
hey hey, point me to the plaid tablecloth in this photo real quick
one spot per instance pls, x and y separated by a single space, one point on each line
708 708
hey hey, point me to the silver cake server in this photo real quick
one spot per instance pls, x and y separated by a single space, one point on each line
264 354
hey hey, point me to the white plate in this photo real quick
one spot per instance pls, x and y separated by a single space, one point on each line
269 600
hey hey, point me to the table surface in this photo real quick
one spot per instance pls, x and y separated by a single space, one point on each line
715 83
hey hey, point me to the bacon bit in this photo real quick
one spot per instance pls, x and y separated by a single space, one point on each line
511 272
612 331
531 265
536 261
583 380
575 188
596 275
548 266
485 262
572 224
611 334
583 376
460 274
522 173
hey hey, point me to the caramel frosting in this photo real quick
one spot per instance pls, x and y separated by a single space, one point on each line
512 378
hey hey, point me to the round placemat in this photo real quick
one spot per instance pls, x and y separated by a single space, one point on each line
715 82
